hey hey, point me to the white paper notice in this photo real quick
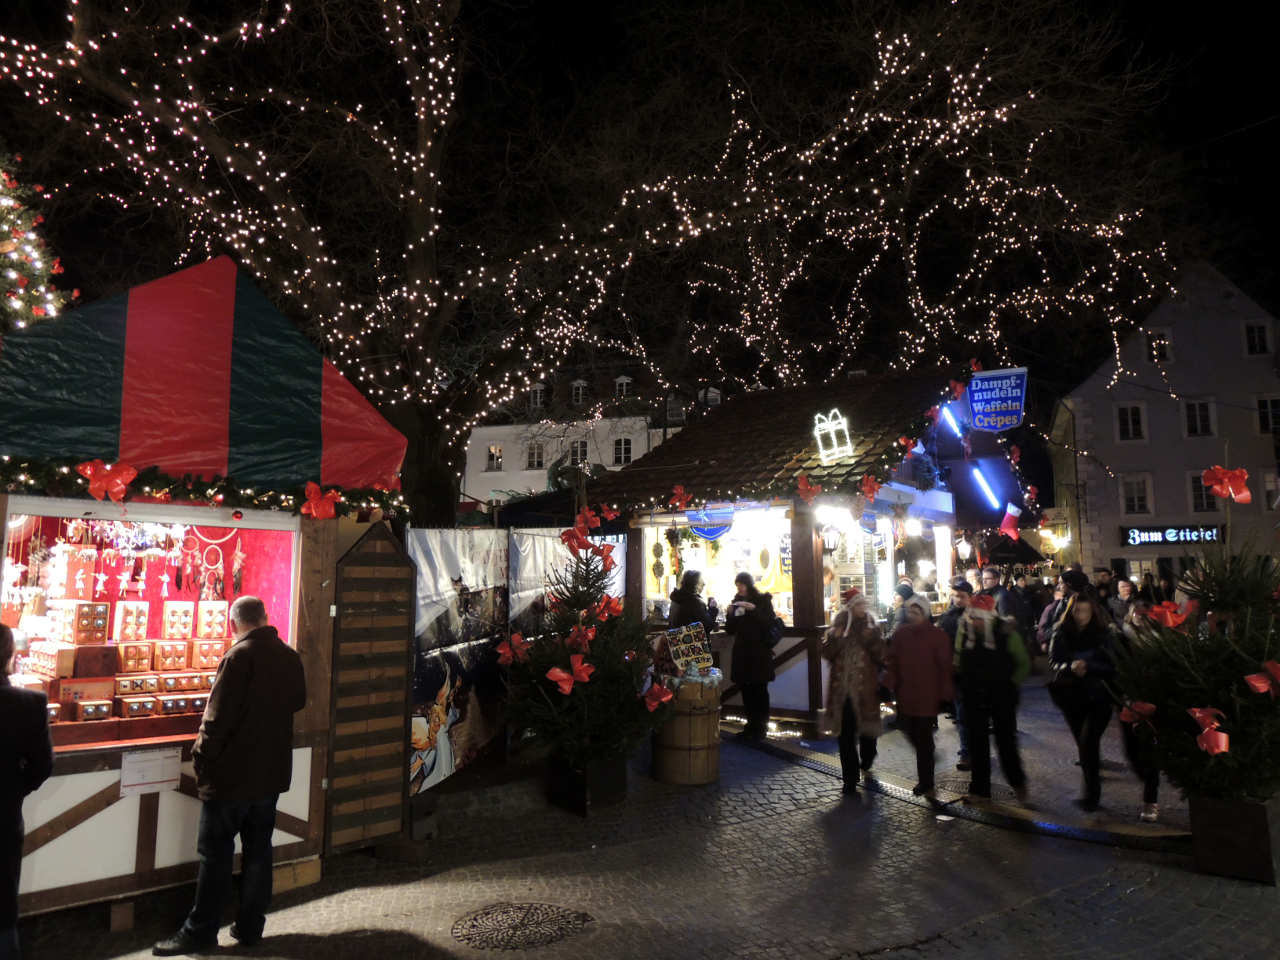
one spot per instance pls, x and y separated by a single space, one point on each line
150 771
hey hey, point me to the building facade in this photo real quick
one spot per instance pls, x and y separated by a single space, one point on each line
1200 387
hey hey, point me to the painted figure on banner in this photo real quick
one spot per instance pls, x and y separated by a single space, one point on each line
433 757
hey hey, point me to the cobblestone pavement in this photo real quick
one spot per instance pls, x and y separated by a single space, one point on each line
770 863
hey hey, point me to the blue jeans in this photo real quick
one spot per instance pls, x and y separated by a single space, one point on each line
219 823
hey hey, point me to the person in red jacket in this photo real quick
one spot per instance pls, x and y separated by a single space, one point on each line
920 673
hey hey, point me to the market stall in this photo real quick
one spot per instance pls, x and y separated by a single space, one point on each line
125 543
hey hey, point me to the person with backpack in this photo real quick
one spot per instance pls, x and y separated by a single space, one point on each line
750 618
991 662
919 672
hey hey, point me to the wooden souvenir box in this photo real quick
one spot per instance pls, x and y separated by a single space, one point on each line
52 658
93 709
130 621
170 655
168 704
54 710
179 616
138 683
95 661
78 623
205 654
211 619
198 702
180 682
70 692
135 706
207 678
135 657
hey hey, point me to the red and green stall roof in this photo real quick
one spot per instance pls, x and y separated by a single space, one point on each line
195 373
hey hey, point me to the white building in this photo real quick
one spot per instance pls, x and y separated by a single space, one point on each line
509 459
1205 391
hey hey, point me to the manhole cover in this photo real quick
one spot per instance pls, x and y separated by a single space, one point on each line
960 785
518 926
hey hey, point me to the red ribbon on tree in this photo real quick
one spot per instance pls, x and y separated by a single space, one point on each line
1015 454
575 540
1228 483
870 486
605 553
578 671
608 512
1167 614
1138 711
1266 682
587 520
580 638
111 481
516 648
656 696
679 499
606 608
1211 740
808 491
907 444
321 505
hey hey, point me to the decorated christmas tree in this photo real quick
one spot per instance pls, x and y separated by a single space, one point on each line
26 265
584 685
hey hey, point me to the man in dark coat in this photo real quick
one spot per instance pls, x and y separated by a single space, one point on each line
991 587
26 760
750 618
243 759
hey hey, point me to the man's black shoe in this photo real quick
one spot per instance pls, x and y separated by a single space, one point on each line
244 939
182 943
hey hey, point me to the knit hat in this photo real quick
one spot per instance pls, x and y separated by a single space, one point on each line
904 590
983 604
1075 580
962 585
850 595
916 600
746 578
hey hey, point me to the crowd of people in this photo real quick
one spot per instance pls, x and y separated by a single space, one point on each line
970 664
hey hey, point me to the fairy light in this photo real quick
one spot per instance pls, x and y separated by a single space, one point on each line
387 320
26 268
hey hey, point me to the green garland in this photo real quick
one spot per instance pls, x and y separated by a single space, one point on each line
52 478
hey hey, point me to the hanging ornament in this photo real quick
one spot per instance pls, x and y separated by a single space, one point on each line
164 583
1009 525
1015 454
237 568
101 588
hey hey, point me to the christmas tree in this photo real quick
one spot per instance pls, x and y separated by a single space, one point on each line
584 685
27 265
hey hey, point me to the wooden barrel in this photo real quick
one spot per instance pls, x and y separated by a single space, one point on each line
686 749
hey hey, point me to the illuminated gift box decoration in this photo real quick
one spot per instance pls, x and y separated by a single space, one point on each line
831 431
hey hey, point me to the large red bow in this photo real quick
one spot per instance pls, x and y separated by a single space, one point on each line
1167 614
870 486
321 506
578 671
575 540
1211 740
808 491
679 499
608 512
1228 483
580 639
587 520
516 648
656 696
907 444
1266 682
605 553
112 481
1137 711
606 608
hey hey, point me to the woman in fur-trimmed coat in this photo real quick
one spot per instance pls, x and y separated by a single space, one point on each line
856 651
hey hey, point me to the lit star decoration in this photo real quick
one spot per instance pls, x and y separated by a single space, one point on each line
756 225
26 265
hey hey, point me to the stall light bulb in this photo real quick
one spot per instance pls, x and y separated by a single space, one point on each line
913 527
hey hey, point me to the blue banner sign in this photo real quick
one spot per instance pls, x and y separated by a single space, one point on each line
997 398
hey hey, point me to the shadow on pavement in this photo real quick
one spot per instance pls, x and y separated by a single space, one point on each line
346 945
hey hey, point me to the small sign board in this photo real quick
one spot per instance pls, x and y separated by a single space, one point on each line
676 650
1156 536
997 399
150 771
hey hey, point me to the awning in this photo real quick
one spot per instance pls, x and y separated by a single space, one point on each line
195 373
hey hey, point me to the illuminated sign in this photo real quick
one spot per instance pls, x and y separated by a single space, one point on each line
832 433
996 398
1142 536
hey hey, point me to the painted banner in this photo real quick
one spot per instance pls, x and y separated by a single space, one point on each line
997 399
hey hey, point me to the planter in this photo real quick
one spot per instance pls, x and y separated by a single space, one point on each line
1236 838
601 783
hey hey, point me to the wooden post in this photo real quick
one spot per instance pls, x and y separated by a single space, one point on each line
634 599
317 586
808 612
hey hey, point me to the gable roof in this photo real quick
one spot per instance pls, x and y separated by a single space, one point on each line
194 373
760 443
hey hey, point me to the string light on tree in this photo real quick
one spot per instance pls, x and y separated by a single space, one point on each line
26 265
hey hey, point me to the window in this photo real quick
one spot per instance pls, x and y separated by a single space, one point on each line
1270 490
709 397
537 396
534 456
1129 422
494 460
1198 417
1159 346
1256 340
675 409
1202 499
1135 493
621 451
578 452
622 388
1268 414
578 392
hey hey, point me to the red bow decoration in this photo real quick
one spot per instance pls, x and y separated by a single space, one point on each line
1138 711
516 648
575 540
1228 483
580 639
321 505
982 601
1015 454
957 389
656 696
870 486
679 499
606 608
975 365
808 491
1033 492
578 671
111 481
608 512
1211 740
907 444
587 520
605 552
1167 614
933 413
1266 682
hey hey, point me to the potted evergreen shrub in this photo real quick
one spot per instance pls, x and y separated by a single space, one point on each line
1204 685
584 685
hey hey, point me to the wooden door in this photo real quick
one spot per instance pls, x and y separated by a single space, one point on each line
372 673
